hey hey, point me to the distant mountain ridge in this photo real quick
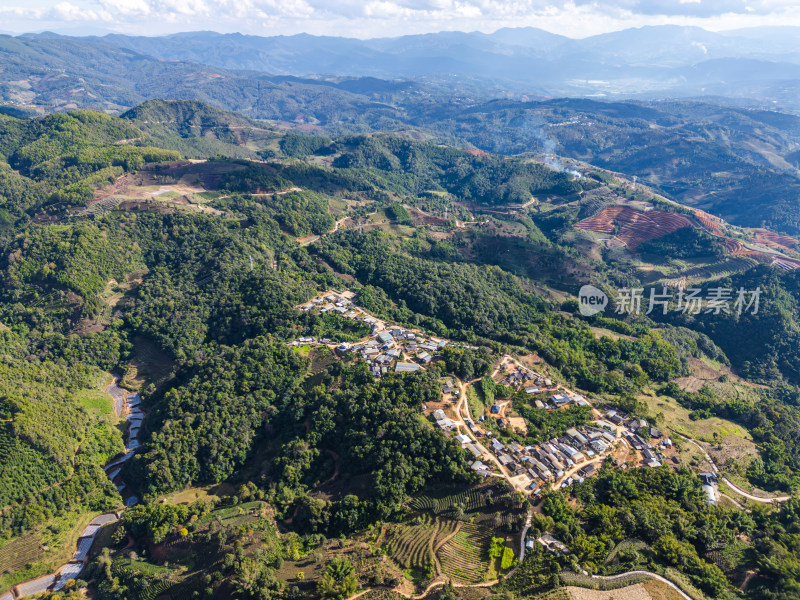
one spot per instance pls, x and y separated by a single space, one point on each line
523 59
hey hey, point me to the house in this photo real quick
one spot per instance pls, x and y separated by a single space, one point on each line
608 437
495 409
579 438
599 446
438 414
424 357
655 433
708 478
462 439
515 447
505 459
501 422
587 470
477 449
559 399
403 367
531 390
497 446
538 404
480 468
529 543
606 425
446 424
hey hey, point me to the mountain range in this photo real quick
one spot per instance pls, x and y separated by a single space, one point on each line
648 61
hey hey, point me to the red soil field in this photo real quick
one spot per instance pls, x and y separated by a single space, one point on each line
776 240
710 222
736 248
634 226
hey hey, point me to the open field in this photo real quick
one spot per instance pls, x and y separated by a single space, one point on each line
676 418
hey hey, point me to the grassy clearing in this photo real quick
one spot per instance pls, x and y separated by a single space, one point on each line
476 406
96 402
676 417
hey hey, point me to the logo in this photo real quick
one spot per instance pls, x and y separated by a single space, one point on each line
591 300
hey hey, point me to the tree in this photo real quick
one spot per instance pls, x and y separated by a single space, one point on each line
339 580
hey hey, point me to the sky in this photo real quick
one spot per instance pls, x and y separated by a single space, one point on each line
379 18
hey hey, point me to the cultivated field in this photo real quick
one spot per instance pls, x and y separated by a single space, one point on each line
465 557
633 227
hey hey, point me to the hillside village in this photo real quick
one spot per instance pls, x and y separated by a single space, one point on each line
489 438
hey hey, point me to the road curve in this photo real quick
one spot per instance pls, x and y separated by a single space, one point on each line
749 496
683 594
733 487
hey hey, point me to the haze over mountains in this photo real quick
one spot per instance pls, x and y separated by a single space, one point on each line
758 63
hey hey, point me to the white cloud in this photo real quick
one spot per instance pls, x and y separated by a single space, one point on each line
368 18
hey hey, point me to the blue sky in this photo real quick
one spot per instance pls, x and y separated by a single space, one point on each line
374 18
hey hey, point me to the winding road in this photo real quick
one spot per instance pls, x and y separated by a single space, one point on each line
733 487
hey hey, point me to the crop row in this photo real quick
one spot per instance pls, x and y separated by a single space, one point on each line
465 556
409 545
19 553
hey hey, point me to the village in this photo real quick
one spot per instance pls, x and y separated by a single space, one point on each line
489 438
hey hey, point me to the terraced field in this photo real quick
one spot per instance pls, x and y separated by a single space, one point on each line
721 268
776 240
708 221
634 227
234 515
470 500
465 557
736 248
410 545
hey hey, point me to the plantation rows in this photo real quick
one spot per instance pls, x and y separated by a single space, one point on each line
445 529
470 499
139 578
465 557
19 553
487 519
23 468
721 268
409 545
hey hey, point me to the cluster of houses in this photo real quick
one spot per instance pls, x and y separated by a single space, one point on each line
394 349
523 377
389 348
639 436
332 302
547 462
